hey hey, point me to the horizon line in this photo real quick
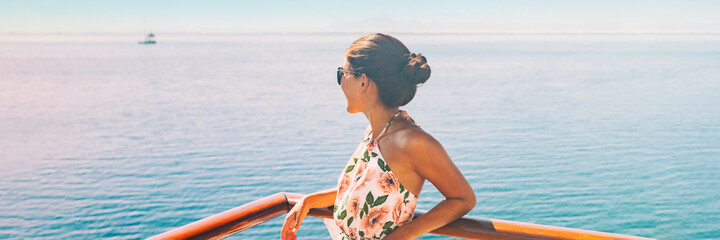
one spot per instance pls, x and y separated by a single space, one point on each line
365 32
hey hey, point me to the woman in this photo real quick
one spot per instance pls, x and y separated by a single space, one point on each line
374 200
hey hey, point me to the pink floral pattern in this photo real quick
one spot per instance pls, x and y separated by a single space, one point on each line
344 183
373 222
374 203
388 183
353 205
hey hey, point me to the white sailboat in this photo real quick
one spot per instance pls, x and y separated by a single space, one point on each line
149 39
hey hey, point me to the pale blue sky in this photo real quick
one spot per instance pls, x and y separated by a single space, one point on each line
178 16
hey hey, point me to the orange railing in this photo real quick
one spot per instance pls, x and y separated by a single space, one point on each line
246 216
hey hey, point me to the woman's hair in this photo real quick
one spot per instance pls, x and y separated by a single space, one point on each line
387 62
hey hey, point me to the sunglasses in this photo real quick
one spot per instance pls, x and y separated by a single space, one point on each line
341 72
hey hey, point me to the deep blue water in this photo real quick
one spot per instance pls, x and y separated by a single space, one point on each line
101 137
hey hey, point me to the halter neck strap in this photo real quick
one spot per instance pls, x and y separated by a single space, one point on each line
373 142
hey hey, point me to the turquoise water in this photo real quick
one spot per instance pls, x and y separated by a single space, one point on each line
103 138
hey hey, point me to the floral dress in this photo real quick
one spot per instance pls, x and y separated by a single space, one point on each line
370 201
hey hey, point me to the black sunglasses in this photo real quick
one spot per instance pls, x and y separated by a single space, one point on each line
342 71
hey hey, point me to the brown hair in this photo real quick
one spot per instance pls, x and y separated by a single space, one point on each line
388 63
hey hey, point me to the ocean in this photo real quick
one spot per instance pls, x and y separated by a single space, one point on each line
104 138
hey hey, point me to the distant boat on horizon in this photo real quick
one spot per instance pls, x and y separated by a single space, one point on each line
149 39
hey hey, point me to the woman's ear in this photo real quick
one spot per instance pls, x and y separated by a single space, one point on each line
364 80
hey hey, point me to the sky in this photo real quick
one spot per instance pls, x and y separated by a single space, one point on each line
507 16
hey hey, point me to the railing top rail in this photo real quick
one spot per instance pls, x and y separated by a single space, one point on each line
246 216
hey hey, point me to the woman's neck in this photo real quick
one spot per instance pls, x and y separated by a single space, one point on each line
378 117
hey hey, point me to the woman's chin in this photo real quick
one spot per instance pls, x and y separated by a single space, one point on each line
349 110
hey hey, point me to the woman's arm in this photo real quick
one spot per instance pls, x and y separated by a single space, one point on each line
321 199
432 163
296 215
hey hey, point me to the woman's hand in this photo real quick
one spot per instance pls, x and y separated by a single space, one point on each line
296 215
293 220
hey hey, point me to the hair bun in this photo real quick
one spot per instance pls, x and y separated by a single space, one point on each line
417 71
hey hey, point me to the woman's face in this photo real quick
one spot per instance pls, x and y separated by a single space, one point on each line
352 86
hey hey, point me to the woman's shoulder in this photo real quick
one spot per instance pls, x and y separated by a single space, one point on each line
408 139
410 148
414 137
